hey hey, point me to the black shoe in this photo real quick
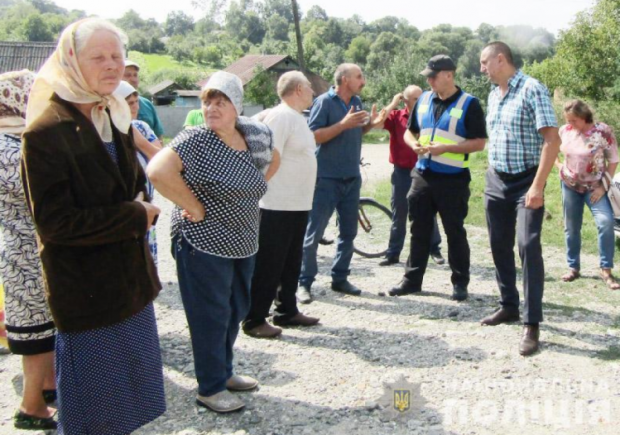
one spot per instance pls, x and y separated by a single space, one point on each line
401 290
346 287
303 294
388 261
459 293
437 258
25 421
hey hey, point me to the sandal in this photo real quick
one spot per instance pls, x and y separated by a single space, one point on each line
21 420
610 281
572 275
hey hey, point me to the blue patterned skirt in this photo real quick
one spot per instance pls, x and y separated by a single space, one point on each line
110 379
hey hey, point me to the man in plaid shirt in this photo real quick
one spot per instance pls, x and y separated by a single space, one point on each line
523 145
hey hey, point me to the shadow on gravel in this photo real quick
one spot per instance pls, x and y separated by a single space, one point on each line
611 344
386 349
177 355
476 307
269 414
571 313
170 296
274 414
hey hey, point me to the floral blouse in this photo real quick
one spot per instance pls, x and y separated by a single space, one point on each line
586 155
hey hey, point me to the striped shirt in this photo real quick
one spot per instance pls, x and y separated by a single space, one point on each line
514 121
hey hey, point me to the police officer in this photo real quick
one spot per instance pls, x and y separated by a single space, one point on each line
445 126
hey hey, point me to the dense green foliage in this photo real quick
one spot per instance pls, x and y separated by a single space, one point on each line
587 61
390 50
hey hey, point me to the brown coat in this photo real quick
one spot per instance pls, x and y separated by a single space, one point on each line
96 263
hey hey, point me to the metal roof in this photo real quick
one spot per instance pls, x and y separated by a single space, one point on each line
15 56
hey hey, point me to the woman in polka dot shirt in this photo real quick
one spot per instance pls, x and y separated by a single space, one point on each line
215 174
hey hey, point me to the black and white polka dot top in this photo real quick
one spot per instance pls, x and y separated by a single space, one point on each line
228 183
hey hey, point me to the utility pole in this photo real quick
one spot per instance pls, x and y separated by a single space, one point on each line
300 47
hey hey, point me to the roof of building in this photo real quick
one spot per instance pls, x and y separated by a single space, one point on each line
16 56
155 89
245 69
186 93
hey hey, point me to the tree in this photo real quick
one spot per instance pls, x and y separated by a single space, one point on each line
35 29
243 22
277 28
178 23
281 8
586 61
468 65
383 50
358 50
454 39
262 88
486 33
47 6
316 13
131 20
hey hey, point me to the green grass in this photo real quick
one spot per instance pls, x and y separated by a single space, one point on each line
553 226
612 353
376 136
155 62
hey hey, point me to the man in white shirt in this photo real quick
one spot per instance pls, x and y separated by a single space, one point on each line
284 212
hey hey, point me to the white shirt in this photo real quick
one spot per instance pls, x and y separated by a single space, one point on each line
292 187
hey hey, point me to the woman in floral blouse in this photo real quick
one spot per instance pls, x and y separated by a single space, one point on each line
590 149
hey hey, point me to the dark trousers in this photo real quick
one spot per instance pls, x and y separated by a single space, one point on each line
401 183
278 263
448 195
216 295
504 200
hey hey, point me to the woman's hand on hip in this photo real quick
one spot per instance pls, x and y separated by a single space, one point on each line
194 215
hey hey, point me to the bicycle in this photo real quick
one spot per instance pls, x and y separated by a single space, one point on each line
375 222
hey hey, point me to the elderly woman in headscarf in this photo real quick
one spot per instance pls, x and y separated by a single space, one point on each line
31 331
214 175
147 144
86 193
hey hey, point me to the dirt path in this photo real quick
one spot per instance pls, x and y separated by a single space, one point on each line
341 377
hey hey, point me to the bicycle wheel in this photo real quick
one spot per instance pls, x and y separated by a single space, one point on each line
373 234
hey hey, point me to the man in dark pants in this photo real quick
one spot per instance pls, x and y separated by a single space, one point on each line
284 212
446 125
404 160
523 147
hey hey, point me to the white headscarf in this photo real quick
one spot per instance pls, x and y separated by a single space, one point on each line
230 85
61 75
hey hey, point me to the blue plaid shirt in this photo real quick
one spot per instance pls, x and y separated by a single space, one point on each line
514 121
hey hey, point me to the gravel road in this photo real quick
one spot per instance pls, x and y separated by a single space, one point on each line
453 375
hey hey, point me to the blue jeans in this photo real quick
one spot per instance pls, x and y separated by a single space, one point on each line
216 297
331 194
401 183
573 218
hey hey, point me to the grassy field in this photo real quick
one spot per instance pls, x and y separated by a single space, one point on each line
553 227
156 62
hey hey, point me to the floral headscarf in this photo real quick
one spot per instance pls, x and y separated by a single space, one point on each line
61 75
14 89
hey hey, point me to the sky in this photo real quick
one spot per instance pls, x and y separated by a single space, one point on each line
552 15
